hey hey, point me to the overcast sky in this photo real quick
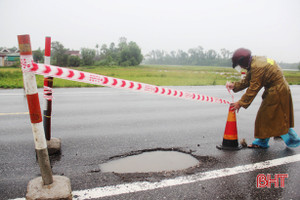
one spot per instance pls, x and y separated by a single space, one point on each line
267 27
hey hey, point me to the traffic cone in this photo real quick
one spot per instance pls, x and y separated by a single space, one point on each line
230 139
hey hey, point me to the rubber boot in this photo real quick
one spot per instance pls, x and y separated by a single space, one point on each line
291 139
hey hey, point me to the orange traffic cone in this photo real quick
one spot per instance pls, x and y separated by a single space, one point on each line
230 139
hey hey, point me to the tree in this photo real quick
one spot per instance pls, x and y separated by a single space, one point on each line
97 46
58 54
211 54
225 53
104 50
113 52
130 55
122 43
299 66
74 61
88 56
194 56
125 54
38 56
182 57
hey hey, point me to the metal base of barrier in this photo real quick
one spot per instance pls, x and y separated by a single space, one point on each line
59 189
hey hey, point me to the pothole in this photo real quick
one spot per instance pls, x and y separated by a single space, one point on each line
153 161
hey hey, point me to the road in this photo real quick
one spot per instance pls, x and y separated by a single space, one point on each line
96 124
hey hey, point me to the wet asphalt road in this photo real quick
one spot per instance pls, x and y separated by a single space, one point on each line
96 124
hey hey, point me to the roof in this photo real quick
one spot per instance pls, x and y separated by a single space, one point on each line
73 52
4 51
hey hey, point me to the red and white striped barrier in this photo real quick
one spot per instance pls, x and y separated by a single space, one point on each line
48 83
96 79
48 80
75 75
35 110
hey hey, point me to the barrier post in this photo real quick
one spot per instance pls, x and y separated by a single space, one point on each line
53 144
58 187
48 84
34 109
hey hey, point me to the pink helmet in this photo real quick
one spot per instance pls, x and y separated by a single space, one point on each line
241 57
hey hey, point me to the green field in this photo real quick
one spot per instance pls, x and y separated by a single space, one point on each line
156 75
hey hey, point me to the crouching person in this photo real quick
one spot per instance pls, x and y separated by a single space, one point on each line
275 116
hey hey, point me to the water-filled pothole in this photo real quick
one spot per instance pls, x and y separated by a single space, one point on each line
154 161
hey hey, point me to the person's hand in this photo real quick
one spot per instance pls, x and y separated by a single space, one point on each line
235 106
229 85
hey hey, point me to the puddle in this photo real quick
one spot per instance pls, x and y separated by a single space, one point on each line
154 161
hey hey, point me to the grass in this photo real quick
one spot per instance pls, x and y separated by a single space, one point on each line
292 77
156 75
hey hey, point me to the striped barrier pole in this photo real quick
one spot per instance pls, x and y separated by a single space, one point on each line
48 84
30 86
97 79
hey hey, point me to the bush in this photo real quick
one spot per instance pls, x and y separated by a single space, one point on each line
16 64
74 61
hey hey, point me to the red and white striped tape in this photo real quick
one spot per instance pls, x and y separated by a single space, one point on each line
96 79
48 91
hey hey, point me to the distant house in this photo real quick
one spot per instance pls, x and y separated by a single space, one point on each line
2 59
8 58
74 53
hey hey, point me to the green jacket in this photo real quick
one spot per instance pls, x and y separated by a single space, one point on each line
275 115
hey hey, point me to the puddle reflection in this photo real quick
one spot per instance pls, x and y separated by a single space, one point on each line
155 161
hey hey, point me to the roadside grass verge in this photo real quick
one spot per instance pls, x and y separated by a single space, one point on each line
157 75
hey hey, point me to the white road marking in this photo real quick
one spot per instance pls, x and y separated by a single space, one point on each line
67 93
17 113
144 186
12 94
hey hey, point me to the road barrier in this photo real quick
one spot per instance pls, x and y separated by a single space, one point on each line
97 79
35 110
29 69
47 186
53 144
48 83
